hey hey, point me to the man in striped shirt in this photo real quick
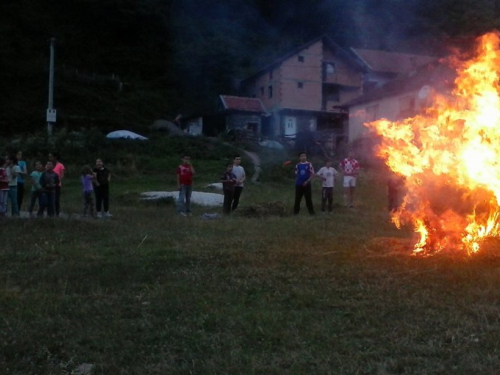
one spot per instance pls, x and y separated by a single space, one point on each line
349 167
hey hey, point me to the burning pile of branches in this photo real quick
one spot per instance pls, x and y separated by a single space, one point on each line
450 158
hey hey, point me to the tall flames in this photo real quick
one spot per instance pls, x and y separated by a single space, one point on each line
450 158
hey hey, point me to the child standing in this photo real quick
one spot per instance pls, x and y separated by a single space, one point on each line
59 169
36 188
49 181
350 168
87 179
185 173
13 171
328 174
228 180
20 178
239 172
304 173
101 188
4 191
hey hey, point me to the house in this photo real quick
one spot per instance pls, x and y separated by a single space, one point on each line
317 91
243 114
400 98
306 90
383 66
233 113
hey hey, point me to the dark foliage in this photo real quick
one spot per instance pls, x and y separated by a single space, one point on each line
125 63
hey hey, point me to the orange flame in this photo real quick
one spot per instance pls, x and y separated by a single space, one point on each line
450 157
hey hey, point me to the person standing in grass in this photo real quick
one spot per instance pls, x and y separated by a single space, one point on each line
101 188
239 172
229 181
20 178
58 169
304 173
36 188
349 167
4 190
328 174
49 181
12 173
185 173
88 178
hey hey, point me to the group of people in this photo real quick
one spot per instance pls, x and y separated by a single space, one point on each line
232 185
234 176
45 183
304 174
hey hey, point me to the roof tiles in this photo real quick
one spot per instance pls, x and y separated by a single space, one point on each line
238 103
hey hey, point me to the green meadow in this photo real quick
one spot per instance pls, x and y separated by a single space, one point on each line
149 292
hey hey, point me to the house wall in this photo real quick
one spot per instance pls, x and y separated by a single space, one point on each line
301 79
390 108
345 95
303 82
261 85
343 74
241 121
302 122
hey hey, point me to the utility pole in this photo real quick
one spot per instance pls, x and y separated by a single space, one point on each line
51 112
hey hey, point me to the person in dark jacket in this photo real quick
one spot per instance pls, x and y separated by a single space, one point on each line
228 180
101 188
49 181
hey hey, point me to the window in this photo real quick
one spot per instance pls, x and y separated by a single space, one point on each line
331 93
330 68
270 74
262 91
300 85
270 91
301 58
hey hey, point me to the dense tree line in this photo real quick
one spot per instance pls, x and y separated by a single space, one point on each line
178 55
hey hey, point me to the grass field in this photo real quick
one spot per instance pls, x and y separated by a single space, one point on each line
149 292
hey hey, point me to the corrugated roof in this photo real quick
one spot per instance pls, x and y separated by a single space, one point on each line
391 62
239 103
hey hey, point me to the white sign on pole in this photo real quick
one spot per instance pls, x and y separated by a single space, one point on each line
51 115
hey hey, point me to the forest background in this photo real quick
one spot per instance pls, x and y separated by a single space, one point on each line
125 63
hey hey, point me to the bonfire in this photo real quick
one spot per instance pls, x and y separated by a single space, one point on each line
450 158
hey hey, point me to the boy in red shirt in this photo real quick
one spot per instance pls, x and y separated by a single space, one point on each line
185 173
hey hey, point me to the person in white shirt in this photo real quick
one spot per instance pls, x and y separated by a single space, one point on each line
13 171
239 172
327 173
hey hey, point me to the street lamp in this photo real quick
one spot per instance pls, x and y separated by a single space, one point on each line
51 112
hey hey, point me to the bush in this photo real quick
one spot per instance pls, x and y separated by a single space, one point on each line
158 153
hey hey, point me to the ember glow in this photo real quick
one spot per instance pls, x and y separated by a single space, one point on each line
450 157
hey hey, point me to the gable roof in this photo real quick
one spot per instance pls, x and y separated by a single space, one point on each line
436 74
390 62
239 103
327 41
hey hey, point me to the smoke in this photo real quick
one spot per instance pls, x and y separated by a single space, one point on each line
383 24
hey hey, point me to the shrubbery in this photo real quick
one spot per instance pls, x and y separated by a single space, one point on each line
157 153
